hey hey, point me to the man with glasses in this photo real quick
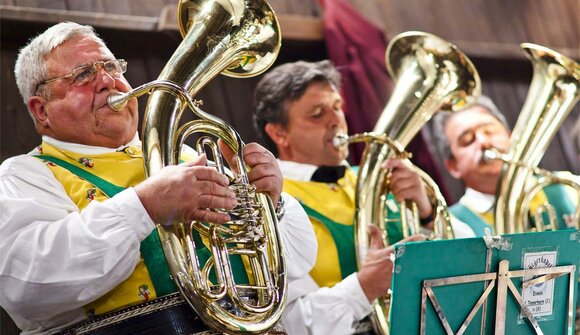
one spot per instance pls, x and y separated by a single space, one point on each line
77 215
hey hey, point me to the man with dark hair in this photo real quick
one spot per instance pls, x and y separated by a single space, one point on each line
299 112
461 138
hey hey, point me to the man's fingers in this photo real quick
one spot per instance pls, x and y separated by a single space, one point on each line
376 237
201 160
204 173
255 154
209 216
213 201
229 155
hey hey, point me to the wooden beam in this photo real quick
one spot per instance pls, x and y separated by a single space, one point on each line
301 28
293 27
97 20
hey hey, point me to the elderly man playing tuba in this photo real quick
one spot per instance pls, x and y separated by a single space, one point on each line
76 213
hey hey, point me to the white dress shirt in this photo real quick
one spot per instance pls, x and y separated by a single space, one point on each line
55 258
312 310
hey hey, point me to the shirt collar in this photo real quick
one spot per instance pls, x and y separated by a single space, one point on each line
299 171
480 202
89 149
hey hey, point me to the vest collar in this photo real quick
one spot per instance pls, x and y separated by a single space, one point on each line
89 149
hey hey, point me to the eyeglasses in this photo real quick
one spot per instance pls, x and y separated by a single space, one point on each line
85 74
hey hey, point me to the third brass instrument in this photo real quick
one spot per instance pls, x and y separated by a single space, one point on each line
552 95
240 38
431 74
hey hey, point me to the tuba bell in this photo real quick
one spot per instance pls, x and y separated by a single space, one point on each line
239 38
431 74
553 92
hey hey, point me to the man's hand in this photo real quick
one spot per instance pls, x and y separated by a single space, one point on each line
264 171
186 192
406 184
377 271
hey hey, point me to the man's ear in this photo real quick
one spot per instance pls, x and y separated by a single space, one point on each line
277 134
451 165
37 106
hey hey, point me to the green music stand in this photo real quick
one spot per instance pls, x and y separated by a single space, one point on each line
513 284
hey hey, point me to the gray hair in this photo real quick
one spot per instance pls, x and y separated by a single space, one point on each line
284 84
442 117
30 68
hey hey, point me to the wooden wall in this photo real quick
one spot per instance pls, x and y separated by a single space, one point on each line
143 32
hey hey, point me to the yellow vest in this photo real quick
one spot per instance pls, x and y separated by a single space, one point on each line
124 169
336 202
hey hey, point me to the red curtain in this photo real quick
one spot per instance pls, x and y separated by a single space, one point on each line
357 49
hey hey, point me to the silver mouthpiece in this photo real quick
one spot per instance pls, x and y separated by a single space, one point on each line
492 154
340 140
118 101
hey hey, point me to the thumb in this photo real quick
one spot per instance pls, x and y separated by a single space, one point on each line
376 237
229 155
200 160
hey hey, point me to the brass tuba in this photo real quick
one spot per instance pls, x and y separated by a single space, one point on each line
431 74
552 95
239 38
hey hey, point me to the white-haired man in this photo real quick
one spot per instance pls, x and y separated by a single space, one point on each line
77 215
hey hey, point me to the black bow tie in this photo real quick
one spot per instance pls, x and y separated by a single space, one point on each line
328 174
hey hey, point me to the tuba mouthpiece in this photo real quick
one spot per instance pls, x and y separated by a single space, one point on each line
118 101
492 154
340 140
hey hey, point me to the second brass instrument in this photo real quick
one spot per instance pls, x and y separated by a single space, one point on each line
553 92
431 74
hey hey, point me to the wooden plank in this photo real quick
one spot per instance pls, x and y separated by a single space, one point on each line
303 7
95 6
50 4
292 27
101 20
569 14
151 8
533 24
18 135
370 10
279 6
303 28
117 7
390 24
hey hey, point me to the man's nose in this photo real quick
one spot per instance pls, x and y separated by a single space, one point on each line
483 139
104 79
333 117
